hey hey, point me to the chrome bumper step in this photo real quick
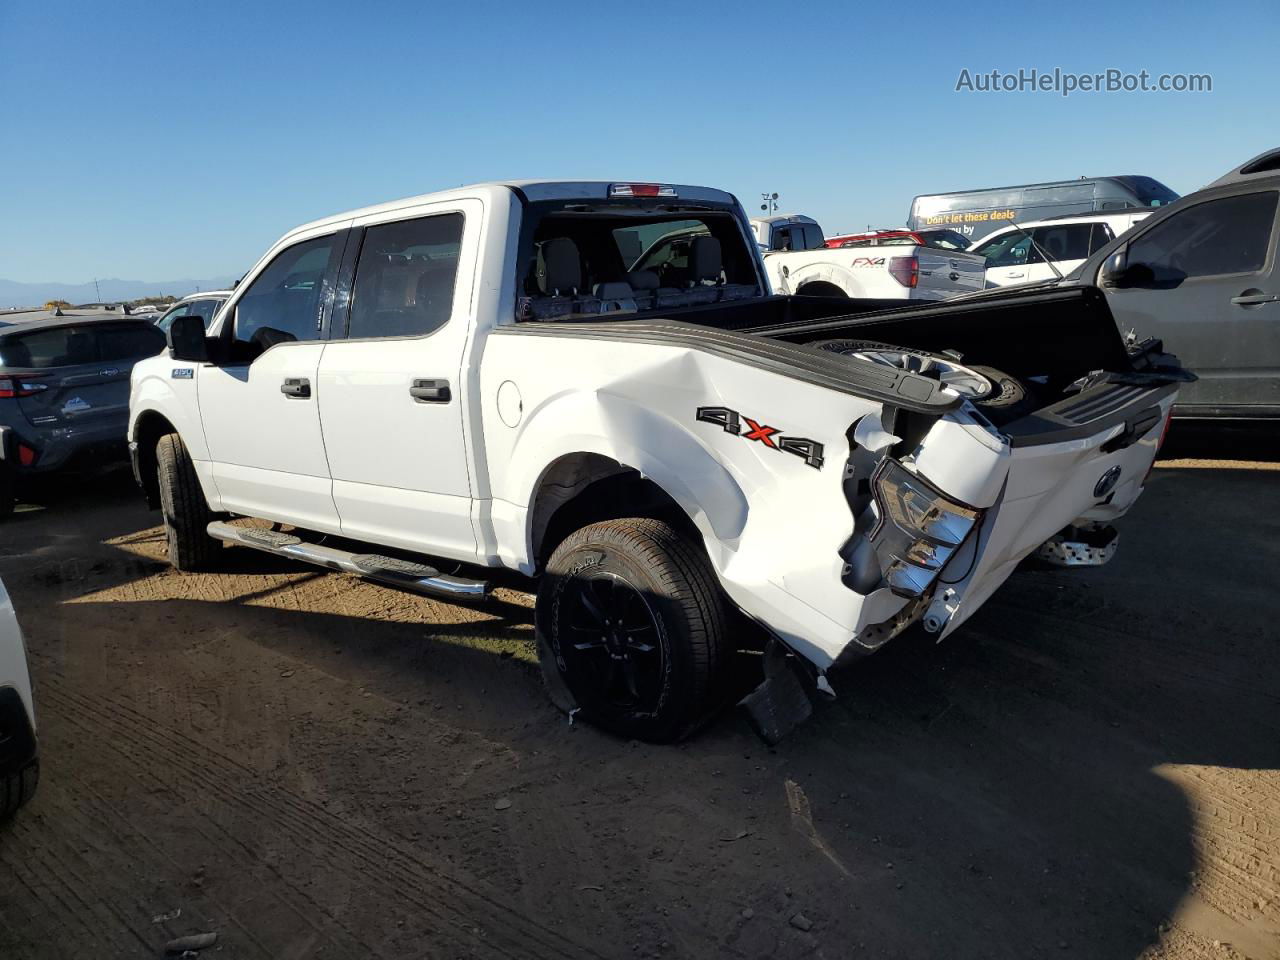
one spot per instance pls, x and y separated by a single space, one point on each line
405 574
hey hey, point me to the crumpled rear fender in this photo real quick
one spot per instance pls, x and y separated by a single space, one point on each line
773 523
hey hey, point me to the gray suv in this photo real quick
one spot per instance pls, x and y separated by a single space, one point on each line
1201 275
64 392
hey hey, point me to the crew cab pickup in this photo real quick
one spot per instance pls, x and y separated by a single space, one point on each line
590 384
897 265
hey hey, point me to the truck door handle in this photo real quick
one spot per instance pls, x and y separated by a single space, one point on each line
296 387
430 391
1018 274
1252 299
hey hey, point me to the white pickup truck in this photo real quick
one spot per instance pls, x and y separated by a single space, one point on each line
589 383
897 266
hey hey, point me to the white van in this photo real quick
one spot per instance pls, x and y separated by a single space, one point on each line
1016 254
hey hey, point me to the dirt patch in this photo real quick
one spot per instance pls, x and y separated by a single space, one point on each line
315 766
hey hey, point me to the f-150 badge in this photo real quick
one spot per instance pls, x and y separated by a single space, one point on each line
731 421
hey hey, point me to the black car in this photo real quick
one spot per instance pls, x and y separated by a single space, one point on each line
64 393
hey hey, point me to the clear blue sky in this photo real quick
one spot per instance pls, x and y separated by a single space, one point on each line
165 140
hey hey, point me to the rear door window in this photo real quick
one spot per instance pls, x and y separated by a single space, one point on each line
405 277
1064 241
1218 237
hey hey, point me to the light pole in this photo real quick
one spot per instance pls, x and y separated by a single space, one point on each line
770 204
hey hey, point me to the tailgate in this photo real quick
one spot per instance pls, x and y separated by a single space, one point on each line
1083 457
945 274
77 396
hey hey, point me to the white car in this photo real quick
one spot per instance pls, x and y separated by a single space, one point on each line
589 383
19 760
203 305
798 261
1020 254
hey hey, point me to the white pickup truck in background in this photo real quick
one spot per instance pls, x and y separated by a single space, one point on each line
797 261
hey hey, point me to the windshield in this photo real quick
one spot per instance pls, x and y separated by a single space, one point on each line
1149 191
944 239
591 258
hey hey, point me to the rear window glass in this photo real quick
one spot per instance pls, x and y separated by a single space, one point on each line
587 258
70 346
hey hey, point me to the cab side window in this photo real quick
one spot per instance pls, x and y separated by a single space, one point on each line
1067 241
1230 235
285 299
405 277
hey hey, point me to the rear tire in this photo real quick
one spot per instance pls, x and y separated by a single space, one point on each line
6 490
185 510
631 629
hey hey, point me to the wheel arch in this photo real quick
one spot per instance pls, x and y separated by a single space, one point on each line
148 427
820 288
581 488
645 459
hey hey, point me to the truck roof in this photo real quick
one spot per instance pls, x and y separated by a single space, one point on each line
529 189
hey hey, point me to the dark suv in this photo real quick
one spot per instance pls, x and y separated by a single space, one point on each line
64 392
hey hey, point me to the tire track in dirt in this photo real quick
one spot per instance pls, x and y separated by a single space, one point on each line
199 904
458 908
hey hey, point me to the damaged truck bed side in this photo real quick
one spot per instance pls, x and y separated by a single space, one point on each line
605 397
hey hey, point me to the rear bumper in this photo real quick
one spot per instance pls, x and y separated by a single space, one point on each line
63 447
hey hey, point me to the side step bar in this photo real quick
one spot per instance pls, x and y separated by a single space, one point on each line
405 574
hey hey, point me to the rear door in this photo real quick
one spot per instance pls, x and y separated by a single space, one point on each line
78 376
1215 300
392 386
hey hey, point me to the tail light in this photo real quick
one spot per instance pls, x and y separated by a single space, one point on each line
918 530
1164 431
906 270
11 387
27 456
641 190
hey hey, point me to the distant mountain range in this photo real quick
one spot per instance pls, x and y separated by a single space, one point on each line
15 294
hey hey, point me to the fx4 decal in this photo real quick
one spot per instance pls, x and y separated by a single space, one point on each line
810 451
868 262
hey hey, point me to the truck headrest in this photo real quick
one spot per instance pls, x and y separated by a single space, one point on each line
561 267
704 259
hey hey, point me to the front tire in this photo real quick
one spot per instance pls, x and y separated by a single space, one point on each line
17 788
631 626
185 510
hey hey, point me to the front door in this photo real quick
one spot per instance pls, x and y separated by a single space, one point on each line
391 390
259 409
1214 300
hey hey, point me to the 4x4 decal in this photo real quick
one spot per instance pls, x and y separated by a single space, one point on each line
731 421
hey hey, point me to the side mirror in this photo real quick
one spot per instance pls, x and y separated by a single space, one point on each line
1113 271
187 340
1120 273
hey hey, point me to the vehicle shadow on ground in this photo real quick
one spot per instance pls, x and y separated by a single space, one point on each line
1227 440
1033 786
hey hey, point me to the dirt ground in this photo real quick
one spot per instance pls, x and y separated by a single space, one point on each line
318 767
